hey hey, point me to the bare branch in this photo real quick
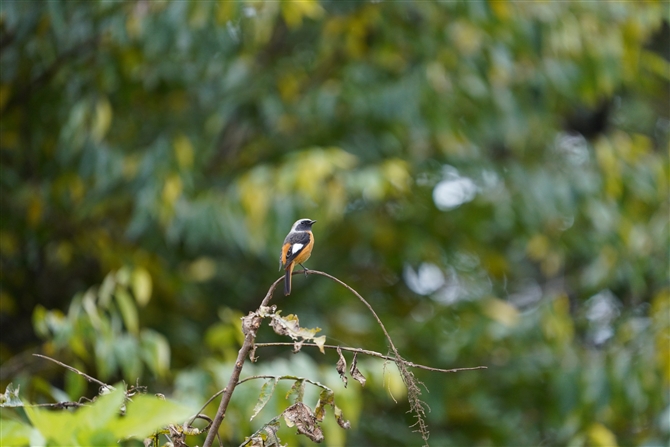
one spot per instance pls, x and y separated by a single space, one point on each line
73 369
59 405
376 354
285 377
413 391
198 414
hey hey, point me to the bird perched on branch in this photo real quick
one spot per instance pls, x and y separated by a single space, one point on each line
296 249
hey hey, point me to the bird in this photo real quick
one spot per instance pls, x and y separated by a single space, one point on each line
297 248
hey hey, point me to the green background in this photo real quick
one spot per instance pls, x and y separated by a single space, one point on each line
491 176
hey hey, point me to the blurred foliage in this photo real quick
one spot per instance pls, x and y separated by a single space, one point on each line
97 424
492 176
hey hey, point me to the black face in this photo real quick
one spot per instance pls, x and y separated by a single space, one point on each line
304 225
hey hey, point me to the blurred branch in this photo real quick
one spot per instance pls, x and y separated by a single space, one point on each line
374 354
75 370
59 405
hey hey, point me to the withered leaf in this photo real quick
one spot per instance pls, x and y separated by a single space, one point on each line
355 373
290 325
341 367
340 419
301 416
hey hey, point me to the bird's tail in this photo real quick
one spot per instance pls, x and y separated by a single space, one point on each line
287 279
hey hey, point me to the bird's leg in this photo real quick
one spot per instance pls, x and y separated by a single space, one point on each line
304 269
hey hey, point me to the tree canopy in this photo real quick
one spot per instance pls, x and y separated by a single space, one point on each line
491 176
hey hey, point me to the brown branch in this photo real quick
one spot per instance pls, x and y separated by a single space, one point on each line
235 376
375 354
73 369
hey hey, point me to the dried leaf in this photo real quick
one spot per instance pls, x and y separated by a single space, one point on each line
301 416
272 439
290 325
341 367
266 311
320 341
266 393
355 373
11 396
298 389
340 418
255 441
267 439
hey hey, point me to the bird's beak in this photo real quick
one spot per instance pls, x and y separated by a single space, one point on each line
313 222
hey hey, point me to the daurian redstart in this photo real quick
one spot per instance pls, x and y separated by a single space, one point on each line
297 249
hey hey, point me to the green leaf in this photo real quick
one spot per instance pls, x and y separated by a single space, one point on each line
105 359
127 352
266 393
128 310
155 351
80 428
91 421
298 389
327 397
140 283
14 433
147 414
106 289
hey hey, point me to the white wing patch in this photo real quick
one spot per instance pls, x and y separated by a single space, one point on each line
295 248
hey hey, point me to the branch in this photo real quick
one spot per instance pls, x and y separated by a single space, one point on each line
218 393
239 363
73 369
413 391
265 376
59 405
375 354
252 322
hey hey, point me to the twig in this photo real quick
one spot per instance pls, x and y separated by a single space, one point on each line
59 405
289 377
413 391
375 354
218 393
73 369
